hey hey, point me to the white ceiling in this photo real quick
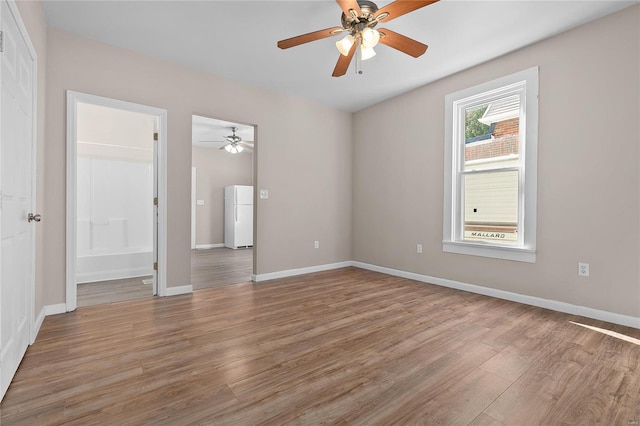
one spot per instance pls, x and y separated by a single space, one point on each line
237 39
210 132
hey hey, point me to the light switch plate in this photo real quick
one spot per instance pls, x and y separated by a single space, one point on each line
200 202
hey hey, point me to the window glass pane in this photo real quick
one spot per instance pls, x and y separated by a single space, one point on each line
491 207
491 134
490 193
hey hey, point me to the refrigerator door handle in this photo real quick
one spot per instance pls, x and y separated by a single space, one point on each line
236 212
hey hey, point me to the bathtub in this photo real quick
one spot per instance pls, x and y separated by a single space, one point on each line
103 266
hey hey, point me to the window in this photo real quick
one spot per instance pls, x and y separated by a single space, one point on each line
491 133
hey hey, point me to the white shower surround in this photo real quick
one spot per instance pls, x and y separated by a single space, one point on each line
127 263
114 228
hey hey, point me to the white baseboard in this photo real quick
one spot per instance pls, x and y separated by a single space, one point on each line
554 305
208 246
38 324
59 308
612 317
46 310
300 271
176 291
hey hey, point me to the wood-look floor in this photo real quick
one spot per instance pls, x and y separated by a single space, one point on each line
340 347
209 268
220 266
111 291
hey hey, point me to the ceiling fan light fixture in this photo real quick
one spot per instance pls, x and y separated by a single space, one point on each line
370 37
344 45
233 149
366 52
382 16
358 19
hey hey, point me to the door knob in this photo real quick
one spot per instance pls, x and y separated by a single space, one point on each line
34 217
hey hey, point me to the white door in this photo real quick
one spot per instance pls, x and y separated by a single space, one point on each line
16 179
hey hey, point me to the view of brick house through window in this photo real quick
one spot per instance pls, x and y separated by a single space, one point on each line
490 183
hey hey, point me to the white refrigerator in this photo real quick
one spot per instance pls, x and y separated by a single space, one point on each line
238 216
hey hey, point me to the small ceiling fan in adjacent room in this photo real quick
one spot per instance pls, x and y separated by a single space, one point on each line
233 143
359 18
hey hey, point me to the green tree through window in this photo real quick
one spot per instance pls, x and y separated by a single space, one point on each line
472 127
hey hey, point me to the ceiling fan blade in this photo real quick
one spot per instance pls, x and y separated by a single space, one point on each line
347 5
343 62
246 145
402 43
400 7
306 38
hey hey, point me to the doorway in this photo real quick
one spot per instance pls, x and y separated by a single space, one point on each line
116 181
222 204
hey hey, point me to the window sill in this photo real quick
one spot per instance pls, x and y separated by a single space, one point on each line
505 253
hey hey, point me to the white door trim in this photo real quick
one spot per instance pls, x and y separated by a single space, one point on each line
193 208
72 100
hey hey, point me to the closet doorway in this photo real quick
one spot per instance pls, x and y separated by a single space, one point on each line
115 187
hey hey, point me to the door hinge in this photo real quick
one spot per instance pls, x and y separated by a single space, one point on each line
155 136
155 266
155 201
1 41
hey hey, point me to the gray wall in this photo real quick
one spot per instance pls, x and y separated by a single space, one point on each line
588 173
309 179
216 169
589 180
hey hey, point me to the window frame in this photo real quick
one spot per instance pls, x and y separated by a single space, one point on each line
526 84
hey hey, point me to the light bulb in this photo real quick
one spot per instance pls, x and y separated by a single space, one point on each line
370 37
366 52
344 45
233 149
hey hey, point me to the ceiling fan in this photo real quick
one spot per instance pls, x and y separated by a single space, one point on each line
234 143
359 18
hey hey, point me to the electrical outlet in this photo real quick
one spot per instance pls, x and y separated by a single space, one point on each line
264 194
419 248
583 269
316 244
